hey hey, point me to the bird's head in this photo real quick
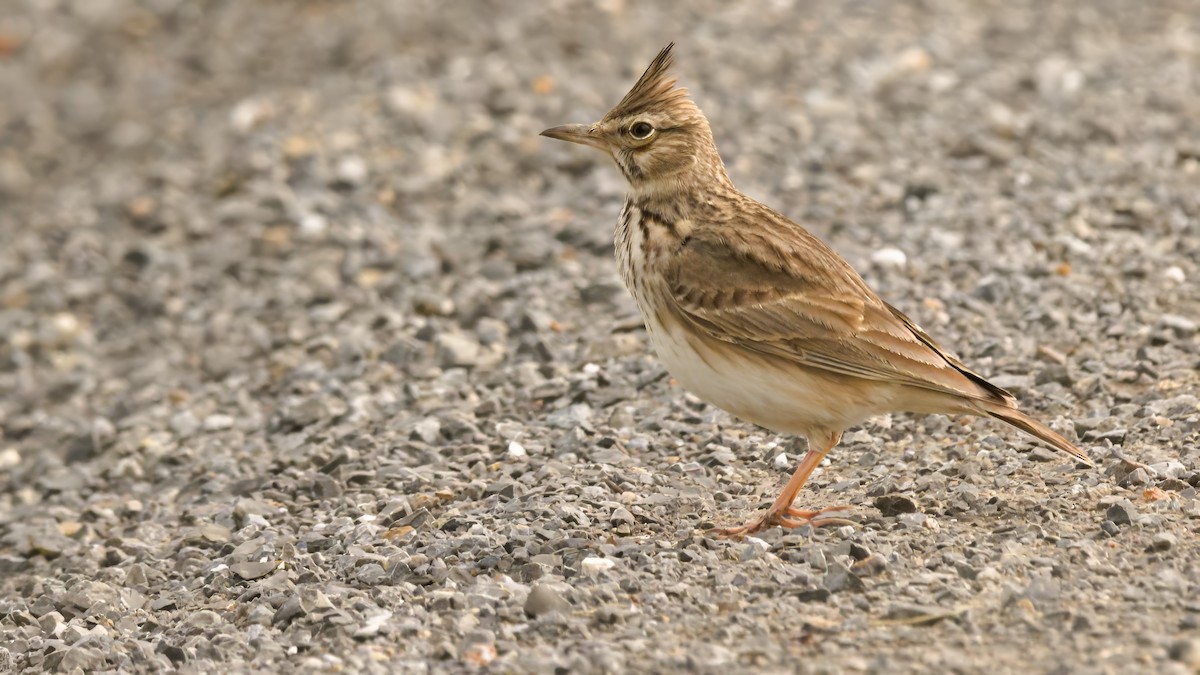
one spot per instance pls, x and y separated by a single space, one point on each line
658 137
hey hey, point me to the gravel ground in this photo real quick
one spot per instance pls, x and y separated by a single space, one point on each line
313 355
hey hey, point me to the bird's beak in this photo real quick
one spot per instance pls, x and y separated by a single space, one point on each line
577 133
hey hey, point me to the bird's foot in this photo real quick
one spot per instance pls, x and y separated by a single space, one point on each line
788 518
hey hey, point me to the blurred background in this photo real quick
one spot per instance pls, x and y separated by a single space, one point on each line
178 177
314 253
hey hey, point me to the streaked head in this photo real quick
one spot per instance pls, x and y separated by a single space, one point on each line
656 134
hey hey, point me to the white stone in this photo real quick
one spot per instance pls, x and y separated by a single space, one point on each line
217 422
516 450
352 170
756 541
595 566
9 457
1174 274
889 257
313 225
781 461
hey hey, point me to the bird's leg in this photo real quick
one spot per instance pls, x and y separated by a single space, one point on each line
781 512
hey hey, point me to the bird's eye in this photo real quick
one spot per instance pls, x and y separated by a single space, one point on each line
641 131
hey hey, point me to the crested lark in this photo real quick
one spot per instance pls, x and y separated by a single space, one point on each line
751 312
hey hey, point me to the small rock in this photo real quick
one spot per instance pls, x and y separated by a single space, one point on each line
373 625
781 461
545 600
51 623
312 225
871 566
9 457
1121 513
195 622
1012 381
755 547
1163 541
839 578
250 113
1169 469
594 566
1040 454
965 571
621 515
351 171
218 422
570 417
516 450
290 609
889 257
428 430
250 571
1186 651
217 534
184 424
1138 476
912 613
1178 323
455 350
84 659
894 505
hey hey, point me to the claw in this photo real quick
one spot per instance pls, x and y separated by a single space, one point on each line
789 519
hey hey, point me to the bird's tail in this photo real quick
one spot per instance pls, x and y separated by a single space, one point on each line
1033 427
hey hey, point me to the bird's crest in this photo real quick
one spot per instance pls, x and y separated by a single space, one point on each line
654 89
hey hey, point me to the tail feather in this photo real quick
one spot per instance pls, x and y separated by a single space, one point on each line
1035 428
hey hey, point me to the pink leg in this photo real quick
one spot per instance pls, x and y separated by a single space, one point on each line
781 512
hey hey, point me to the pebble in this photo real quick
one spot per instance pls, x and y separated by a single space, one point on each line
621 515
9 458
250 571
594 566
889 257
1179 323
184 424
457 350
895 505
352 170
839 579
218 422
1162 541
544 600
1186 651
516 451
344 377
1121 513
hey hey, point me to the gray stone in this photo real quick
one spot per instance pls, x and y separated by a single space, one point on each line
839 579
1121 513
250 571
544 600
457 350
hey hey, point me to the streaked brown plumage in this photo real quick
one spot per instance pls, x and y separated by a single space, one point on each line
751 312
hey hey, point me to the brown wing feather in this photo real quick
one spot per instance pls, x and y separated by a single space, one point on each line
780 291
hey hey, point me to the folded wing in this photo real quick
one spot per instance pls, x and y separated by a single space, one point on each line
748 289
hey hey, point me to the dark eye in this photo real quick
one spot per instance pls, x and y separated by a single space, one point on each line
641 130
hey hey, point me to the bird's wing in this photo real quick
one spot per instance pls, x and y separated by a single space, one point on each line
794 298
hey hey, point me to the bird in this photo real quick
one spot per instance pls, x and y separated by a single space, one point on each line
754 314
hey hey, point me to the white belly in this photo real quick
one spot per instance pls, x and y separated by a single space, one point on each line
757 389
768 392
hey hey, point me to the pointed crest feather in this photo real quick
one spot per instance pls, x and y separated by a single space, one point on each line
654 88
